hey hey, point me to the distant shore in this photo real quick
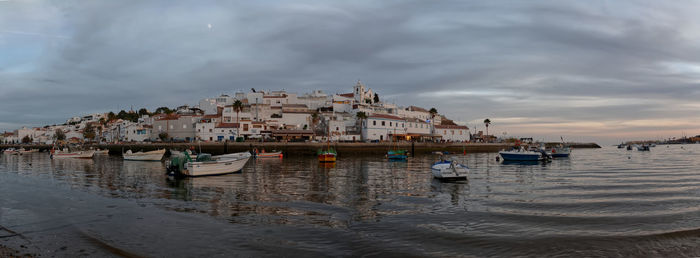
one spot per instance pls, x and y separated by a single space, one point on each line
309 148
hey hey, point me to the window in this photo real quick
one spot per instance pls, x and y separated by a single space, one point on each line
337 129
210 130
199 130
383 123
222 130
374 122
403 125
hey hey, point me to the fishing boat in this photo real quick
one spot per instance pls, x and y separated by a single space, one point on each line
206 164
620 146
521 154
643 147
155 155
66 154
10 151
560 151
327 155
397 154
449 170
264 154
24 151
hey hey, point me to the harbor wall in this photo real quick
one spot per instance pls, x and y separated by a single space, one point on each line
306 148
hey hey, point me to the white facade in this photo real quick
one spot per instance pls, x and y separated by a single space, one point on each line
381 127
453 133
136 133
218 132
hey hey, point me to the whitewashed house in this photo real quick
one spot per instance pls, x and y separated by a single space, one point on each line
453 133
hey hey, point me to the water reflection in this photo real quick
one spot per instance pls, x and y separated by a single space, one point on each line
595 192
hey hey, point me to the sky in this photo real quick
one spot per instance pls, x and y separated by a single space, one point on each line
603 71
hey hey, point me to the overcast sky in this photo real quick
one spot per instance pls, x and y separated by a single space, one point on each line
600 71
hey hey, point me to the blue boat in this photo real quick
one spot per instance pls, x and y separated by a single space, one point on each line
522 154
397 155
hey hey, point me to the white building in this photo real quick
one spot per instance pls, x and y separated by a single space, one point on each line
453 133
210 131
381 127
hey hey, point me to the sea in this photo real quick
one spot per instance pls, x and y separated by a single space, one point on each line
597 202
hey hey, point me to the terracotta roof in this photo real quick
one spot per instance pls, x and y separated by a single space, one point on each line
414 108
228 125
452 127
347 95
212 116
172 116
385 116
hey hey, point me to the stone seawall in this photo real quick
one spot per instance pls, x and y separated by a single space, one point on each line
305 148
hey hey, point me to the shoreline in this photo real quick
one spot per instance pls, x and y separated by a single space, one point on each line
309 148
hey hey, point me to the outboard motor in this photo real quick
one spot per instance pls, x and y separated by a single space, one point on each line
545 156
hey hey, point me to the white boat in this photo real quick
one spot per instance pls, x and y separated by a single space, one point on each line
273 154
449 170
207 165
155 155
23 151
559 151
65 154
643 147
102 151
10 151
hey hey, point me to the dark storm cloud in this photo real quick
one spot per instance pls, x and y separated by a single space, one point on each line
519 63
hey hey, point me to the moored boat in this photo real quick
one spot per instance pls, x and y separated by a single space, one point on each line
155 155
65 154
449 170
207 165
643 147
328 155
101 152
10 151
560 151
264 154
520 154
397 154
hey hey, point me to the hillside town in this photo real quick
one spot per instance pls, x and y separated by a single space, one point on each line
356 116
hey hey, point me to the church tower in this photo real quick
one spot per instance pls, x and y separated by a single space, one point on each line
359 92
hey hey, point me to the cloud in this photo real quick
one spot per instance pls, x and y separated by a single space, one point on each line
604 70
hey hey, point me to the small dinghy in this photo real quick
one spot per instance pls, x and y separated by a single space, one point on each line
449 170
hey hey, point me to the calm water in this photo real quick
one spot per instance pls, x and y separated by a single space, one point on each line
599 202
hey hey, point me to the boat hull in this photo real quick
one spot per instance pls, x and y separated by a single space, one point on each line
520 156
145 156
448 171
74 155
224 165
269 155
326 157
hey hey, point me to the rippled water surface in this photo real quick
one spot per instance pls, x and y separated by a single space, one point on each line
607 202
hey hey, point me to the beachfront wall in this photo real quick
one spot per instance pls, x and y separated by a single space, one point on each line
453 133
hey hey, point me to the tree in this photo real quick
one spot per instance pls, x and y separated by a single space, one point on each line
361 116
163 136
315 118
238 107
27 139
433 112
376 98
143 112
111 116
487 122
89 132
59 135
163 110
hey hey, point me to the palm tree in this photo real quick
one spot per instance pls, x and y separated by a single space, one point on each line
238 107
361 116
487 122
